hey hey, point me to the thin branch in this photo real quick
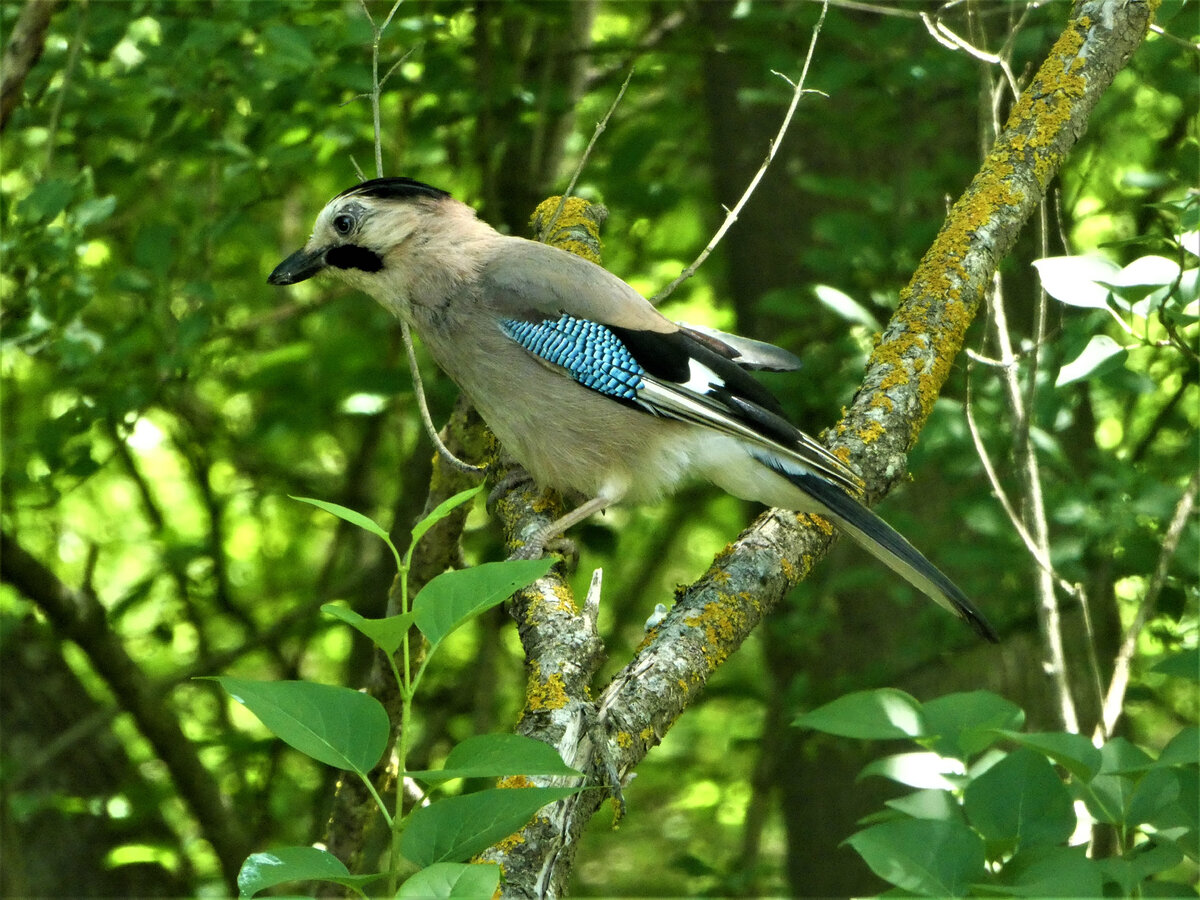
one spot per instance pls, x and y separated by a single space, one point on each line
1049 614
1174 39
772 149
423 406
406 333
1114 700
376 84
600 126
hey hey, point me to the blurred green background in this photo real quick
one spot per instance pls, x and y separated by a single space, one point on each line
160 403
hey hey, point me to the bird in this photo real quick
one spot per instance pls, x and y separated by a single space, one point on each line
585 383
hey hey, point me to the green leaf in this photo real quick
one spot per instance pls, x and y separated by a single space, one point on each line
1157 790
94 210
1185 664
347 515
881 714
265 870
476 881
47 199
387 634
1073 752
1052 872
1102 354
1182 750
965 723
1073 279
1142 862
926 857
919 770
845 306
442 510
929 804
453 598
456 828
1108 793
334 725
1020 801
495 755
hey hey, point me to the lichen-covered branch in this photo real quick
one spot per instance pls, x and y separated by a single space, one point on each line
904 375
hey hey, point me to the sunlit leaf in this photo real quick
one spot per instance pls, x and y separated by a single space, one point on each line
268 869
868 715
348 515
1073 280
1102 354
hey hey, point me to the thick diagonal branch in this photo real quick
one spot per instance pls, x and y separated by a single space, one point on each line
903 378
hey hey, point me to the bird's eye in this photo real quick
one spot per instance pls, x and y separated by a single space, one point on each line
343 224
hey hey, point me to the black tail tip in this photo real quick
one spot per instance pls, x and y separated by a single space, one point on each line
980 625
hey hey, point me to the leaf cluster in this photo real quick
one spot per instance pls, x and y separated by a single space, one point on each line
993 810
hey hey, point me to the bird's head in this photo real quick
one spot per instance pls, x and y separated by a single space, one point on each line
361 233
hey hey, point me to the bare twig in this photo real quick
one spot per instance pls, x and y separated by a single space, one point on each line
948 39
600 126
423 406
1174 39
1035 519
376 84
1114 700
405 332
772 149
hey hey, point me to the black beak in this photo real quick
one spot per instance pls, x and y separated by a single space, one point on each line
301 265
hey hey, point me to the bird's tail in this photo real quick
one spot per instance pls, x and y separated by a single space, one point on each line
886 544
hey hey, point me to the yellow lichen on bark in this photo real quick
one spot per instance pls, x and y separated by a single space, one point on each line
722 622
574 217
548 694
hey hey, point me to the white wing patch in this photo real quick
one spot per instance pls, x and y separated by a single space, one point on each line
701 379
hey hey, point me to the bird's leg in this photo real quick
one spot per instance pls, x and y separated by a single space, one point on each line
506 483
536 543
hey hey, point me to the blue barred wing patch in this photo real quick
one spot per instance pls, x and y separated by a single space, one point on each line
591 353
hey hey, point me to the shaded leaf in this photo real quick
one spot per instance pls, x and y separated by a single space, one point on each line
453 598
387 634
926 857
965 723
1073 752
444 509
477 881
347 515
456 828
1185 664
496 755
334 725
1020 801
1052 872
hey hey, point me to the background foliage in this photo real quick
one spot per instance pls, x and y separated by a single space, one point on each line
160 403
